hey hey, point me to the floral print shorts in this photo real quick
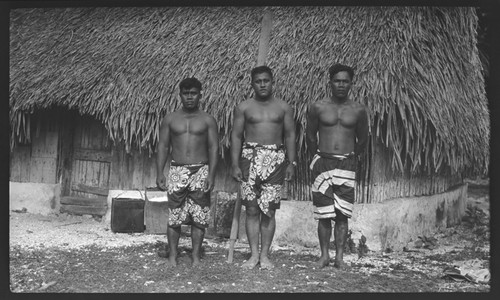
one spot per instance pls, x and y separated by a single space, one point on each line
189 213
263 168
187 201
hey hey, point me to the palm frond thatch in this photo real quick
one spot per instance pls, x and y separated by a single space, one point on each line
417 69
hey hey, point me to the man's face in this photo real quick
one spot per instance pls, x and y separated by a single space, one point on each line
262 85
341 84
190 98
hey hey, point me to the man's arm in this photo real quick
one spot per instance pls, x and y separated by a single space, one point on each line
236 141
361 132
289 126
312 129
163 153
213 155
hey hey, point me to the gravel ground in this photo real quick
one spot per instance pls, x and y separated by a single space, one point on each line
69 232
457 246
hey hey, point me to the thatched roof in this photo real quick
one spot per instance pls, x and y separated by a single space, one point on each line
417 69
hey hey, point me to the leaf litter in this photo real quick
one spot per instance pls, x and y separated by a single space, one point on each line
85 256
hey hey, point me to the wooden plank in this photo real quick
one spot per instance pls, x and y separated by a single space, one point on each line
73 200
126 167
45 145
80 187
20 164
93 155
149 176
43 170
114 172
137 173
83 210
265 36
65 152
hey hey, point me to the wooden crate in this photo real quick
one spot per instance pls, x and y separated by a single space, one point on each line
156 212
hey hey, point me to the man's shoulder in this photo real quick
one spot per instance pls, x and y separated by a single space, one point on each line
320 103
170 115
281 103
358 106
207 115
245 103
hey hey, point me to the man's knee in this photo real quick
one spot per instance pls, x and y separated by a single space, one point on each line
198 228
326 222
340 218
271 213
341 223
252 211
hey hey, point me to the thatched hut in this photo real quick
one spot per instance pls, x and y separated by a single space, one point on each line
89 87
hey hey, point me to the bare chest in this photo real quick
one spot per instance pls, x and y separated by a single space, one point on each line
338 115
180 126
271 114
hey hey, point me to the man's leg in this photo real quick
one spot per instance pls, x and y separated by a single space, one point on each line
252 225
267 228
324 234
173 234
340 235
197 235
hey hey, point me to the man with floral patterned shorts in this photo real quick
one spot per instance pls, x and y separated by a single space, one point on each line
188 202
188 136
263 168
263 127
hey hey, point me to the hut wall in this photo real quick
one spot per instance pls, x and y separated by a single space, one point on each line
37 161
223 179
48 159
300 189
385 184
20 160
133 170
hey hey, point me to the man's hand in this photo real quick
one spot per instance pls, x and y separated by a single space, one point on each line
209 185
290 172
236 173
160 182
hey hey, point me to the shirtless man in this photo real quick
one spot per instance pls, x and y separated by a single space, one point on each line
263 127
342 127
189 137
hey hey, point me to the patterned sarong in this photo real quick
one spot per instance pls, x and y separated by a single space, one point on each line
334 184
263 168
187 201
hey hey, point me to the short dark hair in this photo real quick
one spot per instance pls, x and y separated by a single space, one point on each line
336 68
189 83
261 69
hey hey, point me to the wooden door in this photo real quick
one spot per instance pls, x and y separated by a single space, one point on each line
90 169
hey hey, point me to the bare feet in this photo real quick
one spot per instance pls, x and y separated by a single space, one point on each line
172 261
196 262
265 263
341 265
323 262
251 263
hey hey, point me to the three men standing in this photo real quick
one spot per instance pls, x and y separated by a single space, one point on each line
263 154
342 127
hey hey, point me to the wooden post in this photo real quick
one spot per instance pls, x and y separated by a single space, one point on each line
235 226
265 36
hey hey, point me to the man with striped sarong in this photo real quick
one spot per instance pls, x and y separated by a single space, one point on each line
337 132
